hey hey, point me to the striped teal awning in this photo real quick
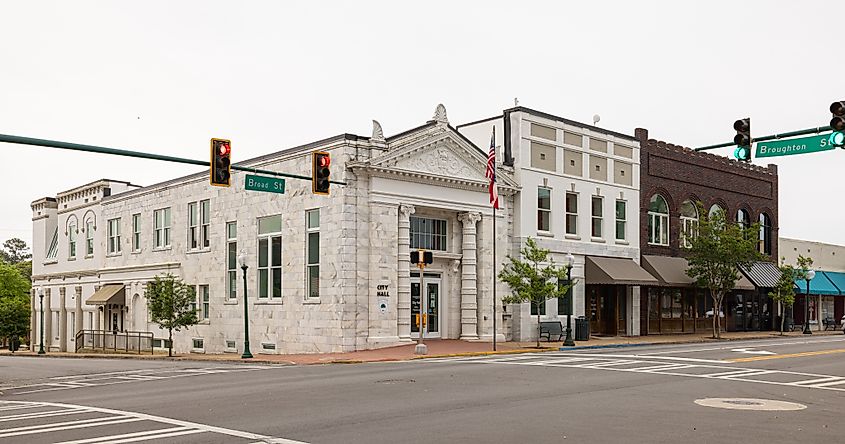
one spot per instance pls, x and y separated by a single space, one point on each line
838 280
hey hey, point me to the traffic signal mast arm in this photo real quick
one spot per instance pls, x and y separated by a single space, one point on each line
817 130
140 155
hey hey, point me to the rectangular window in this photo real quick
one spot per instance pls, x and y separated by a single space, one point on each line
232 260
621 210
192 226
270 257
136 232
544 209
71 239
205 220
89 238
114 236
541 305
571 213
203 299
312 221
658 228
199 344
597 216
161 228
429 234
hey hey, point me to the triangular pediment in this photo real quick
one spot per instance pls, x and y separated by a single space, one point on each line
438 152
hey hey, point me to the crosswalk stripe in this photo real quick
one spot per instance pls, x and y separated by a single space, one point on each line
146 438
46 414
70 427
828 384
58 424
100 439
19 407
818 380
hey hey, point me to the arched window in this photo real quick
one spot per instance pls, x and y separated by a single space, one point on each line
714 209
689 222
743 219
658 221
765 234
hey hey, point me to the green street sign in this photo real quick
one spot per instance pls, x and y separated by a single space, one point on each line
788 147
261 183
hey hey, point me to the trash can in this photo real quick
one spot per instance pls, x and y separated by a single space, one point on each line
582 329
14 344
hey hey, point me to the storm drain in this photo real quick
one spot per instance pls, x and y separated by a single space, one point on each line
749 404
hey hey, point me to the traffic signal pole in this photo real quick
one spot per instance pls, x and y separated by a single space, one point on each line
816 130
139 155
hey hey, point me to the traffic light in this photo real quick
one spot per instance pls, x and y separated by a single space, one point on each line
743 139
837 138
427 257
221 162
838 120
320 162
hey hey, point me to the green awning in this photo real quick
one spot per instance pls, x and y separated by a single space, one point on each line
819 285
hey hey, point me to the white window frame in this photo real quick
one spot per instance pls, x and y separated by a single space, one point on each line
266 292
571 215
231 261
310 230
546 211
114 236
89 238
689 226
203 302
623 221
136 232
161 228
660 238
597 217
71 236
193 229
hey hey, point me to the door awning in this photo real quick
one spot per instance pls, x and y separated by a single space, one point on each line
763 274
670 271
108 294
616 271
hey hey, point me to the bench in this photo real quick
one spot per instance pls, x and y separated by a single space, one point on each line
829 323
549 329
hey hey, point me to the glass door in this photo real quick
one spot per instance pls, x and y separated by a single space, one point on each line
432 283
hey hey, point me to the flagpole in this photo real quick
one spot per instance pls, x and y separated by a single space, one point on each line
494 245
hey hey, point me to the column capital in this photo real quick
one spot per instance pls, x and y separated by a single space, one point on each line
406 210
469 218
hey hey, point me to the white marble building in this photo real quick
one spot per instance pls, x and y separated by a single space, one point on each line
579 195
325 273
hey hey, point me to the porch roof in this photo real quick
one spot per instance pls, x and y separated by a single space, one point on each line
108 294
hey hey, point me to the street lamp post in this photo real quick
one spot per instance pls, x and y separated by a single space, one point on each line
247 354
41 303
570 260
809 277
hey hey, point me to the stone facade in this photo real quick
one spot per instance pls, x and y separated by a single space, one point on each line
365 236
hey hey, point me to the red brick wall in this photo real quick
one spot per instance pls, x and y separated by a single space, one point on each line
679 173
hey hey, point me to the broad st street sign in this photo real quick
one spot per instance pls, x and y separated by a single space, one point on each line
262 183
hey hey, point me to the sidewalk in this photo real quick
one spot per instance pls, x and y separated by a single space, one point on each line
437 348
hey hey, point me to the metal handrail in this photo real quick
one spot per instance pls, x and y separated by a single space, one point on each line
99 340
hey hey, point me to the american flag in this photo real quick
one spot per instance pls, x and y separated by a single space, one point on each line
491 171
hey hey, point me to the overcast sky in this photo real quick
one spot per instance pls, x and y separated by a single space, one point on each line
165 77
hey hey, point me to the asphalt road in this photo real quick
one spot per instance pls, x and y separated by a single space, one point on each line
632 395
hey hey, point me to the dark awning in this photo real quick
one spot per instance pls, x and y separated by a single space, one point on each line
616 271
763 274
108 294
670 271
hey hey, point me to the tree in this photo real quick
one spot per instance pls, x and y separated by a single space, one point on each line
14 303
533 277
170 303
716 253
14 319
14 251
784 291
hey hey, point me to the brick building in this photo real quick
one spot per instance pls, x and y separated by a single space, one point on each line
672 180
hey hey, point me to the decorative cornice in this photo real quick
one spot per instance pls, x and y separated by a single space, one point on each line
64 275
144 267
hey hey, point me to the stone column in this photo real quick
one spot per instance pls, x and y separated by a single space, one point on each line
403 286
33 320
62 320
78 313
469 276
48 320
97 311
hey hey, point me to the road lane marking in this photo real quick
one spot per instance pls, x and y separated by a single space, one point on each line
641 356
789 355
725 347
7 434
818 380
100 439
59 424
46 414
147 438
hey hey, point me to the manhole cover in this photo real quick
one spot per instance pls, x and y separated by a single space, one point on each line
749 404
